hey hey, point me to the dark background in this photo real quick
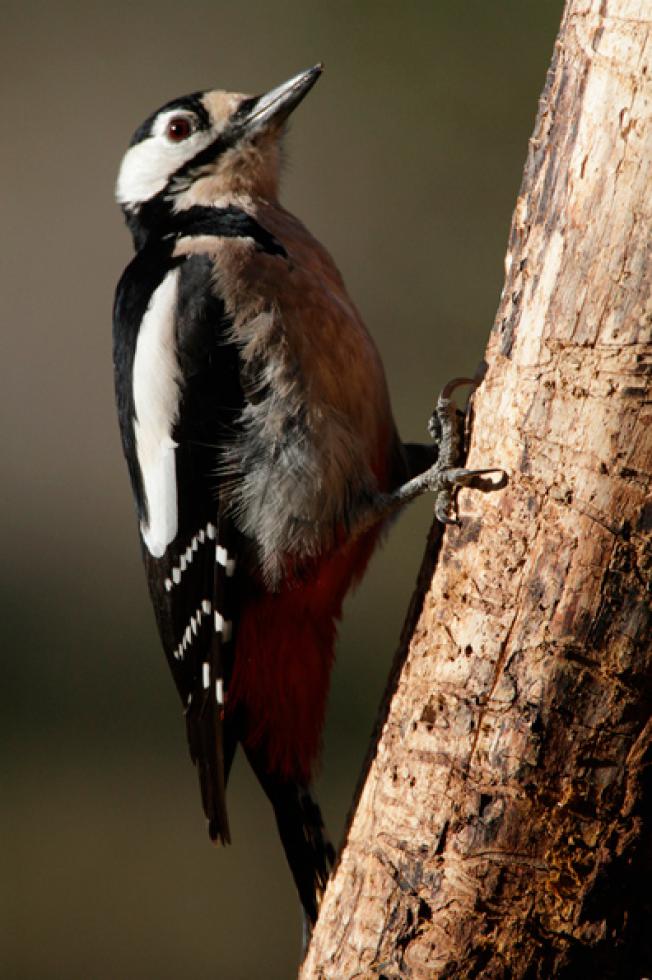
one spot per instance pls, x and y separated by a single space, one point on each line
405 160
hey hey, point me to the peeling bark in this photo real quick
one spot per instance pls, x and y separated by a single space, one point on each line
504 827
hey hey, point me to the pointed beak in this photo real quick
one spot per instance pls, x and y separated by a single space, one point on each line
276 106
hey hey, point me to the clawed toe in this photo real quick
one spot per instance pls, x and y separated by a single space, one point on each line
460 477
446 427
448 481
451 386
446 409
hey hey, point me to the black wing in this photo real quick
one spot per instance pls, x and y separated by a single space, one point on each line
193 586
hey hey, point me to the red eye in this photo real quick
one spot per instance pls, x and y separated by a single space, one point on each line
179 128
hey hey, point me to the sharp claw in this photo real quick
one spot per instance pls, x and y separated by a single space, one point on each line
453 479
460 477
457 476
483 479
445 423
450 387
445 426
443 508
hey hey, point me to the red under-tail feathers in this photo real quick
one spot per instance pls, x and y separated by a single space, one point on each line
284 655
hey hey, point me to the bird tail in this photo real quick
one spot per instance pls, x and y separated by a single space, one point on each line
308 850
212 747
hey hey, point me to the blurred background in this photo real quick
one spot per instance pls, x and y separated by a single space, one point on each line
405 160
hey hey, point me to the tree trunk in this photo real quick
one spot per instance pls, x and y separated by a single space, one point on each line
504 828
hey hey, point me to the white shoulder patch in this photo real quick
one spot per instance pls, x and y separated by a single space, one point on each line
156 382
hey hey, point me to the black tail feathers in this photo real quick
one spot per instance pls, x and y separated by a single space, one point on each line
212 747
309 852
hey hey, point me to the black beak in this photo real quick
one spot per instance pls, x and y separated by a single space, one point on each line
276 106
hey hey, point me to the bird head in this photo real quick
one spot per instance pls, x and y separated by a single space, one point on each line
207 148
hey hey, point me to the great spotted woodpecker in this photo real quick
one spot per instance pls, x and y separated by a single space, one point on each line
258 433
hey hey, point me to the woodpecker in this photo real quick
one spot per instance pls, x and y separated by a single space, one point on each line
263 454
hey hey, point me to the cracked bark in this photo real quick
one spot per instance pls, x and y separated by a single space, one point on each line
504 825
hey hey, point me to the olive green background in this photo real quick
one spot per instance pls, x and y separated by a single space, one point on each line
405 160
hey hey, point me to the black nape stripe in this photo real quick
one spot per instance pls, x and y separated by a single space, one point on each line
155 221
190 103
229 222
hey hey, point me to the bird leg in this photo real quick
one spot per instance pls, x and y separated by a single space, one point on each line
446 427
443 474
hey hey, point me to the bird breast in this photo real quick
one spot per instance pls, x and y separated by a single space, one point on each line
315 431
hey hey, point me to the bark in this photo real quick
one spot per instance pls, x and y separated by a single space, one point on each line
504 828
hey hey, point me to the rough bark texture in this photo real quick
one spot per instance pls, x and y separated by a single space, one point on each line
505 825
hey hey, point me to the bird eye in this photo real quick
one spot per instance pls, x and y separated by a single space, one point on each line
179 128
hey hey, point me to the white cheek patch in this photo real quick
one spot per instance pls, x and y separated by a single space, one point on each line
147 166
156 381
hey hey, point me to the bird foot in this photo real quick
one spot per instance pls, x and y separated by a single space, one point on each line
446 427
